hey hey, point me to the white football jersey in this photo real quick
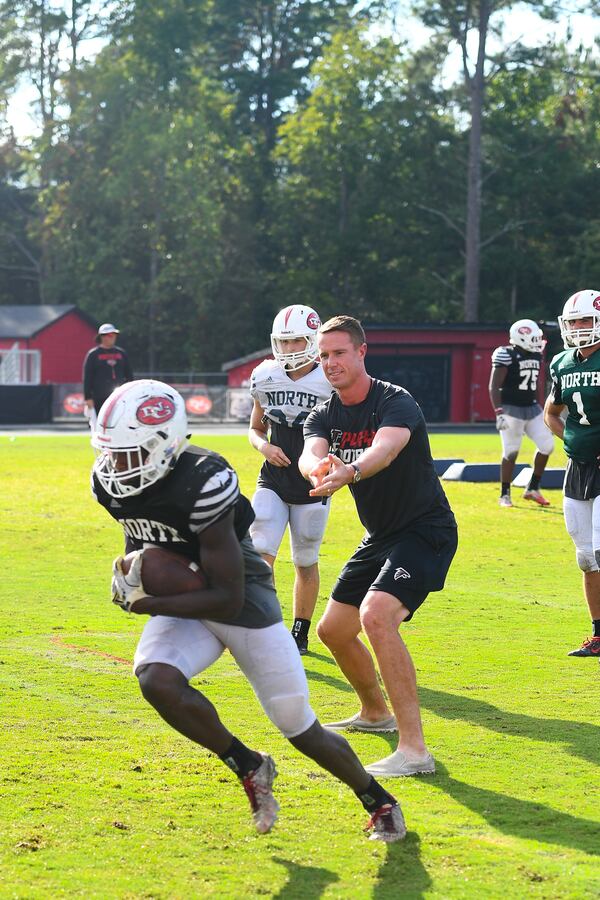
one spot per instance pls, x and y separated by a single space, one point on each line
287 402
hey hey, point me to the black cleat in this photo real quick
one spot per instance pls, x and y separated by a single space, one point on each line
590 647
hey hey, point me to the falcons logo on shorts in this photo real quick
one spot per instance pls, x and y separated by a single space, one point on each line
401 573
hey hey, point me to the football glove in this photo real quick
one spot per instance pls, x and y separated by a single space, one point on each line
501 423
127 589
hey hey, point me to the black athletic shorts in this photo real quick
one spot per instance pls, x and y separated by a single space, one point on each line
582 480
408 566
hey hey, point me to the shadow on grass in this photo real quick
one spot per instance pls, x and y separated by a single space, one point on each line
521 818
324 657
304 882
338 683
402 874
581 738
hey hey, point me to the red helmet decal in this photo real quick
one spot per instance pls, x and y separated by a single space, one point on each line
313 321
596 303
524 329
155 411
288 313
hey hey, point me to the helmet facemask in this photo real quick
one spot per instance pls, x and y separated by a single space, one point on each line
582 305
127 471
290 361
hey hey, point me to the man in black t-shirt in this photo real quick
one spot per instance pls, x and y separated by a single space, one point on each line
105 368
187 500
371 435
513 394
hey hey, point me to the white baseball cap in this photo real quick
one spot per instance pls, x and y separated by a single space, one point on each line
107 328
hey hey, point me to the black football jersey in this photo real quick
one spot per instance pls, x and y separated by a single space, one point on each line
524 367
408 492
172 513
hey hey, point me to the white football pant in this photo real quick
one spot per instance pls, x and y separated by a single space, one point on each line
307 523
268 657
536 429
582 518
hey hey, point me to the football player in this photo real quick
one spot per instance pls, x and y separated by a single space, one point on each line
284 391
168 494
516 369
576 390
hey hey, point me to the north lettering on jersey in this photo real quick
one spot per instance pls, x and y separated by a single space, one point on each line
299 399
151 531
579 379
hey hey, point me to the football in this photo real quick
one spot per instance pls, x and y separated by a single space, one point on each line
165 572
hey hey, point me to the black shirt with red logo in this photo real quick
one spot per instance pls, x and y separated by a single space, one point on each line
408 491
103 370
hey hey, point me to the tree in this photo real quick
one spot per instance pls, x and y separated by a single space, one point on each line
469 23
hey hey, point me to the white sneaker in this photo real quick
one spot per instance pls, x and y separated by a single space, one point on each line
505 501
398 765
356 723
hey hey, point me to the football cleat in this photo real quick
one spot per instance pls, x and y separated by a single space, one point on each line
505 500
536 496
259 790
387 824
590 647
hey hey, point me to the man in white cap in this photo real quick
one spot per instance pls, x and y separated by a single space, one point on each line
105 367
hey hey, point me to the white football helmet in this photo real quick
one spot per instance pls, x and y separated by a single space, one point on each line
295 322
141 431
582 305
527 334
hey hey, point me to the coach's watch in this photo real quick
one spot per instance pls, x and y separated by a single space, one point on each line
357 473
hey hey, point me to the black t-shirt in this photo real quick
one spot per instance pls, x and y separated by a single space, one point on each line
105 369
405 494
173 512
524 367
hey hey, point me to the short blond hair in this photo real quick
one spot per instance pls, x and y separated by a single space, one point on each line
347 324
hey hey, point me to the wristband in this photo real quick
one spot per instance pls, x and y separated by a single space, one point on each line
499 409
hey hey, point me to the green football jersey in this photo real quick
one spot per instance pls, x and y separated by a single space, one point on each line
576 384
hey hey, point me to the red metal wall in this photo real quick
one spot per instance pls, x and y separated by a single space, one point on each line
470 351
63 345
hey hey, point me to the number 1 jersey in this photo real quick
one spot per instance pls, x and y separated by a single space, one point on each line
286 404
576 385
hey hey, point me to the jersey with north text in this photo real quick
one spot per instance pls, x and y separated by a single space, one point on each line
524 367
405 494
286 404
173 512
576 385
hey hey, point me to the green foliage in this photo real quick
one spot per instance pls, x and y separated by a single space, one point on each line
100 798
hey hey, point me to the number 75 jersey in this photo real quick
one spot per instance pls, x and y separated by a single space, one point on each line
286 404
523 370
576 385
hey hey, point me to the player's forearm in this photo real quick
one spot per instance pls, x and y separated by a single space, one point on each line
257 439
218 604
555 424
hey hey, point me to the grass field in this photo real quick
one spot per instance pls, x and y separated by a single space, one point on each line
99 798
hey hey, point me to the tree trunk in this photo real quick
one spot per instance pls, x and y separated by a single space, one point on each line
473 229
